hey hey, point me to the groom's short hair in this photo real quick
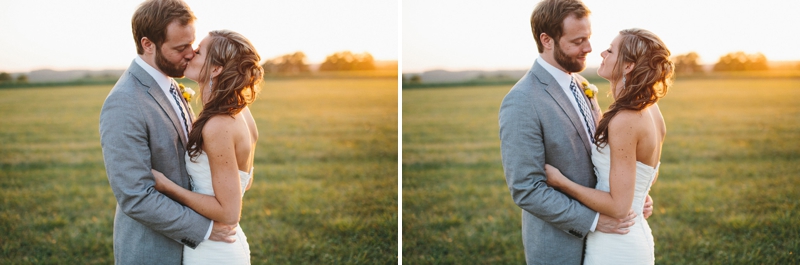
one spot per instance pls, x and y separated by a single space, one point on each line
548 17
152 18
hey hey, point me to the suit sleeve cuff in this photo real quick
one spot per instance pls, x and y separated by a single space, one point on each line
211 226
594 224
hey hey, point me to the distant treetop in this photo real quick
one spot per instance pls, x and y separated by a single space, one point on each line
347 61
287 64
740 61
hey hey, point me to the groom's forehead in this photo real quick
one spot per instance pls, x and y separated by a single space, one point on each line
180 34
574 26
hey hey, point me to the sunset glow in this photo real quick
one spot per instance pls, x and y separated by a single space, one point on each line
492 35
96 34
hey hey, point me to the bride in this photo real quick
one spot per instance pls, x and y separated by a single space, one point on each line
221 144
627 146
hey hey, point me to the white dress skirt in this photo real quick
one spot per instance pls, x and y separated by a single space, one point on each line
208 251
635 247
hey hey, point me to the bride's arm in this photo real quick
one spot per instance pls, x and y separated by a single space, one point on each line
623 138
226 206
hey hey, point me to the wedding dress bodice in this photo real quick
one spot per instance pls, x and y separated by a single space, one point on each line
645 175
200 173
208 251
636 247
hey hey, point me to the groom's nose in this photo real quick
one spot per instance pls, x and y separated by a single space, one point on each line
188 56
587 48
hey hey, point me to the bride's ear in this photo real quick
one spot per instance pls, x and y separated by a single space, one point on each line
216 71
628 68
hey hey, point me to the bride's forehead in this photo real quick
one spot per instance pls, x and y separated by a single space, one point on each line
204 43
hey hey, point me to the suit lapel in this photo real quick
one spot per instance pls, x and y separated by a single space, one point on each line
161 99
557 93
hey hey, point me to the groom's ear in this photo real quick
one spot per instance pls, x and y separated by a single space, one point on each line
148 45
546 40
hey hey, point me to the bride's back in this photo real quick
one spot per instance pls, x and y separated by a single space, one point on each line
653 130
242 132
246 145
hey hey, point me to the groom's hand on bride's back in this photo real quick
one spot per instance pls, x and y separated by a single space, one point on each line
223 233
611 225
648 207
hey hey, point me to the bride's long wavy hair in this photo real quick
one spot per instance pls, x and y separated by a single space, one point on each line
646 83
234 88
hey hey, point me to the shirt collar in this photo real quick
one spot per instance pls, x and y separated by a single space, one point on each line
163 81
561 77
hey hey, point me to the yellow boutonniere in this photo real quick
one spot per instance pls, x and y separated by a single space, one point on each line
590 90
187 92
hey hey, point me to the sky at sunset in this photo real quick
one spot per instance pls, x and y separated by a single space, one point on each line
493 35
96 34
435 34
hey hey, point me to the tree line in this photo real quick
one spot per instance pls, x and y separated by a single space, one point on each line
734 61
295 63
6 78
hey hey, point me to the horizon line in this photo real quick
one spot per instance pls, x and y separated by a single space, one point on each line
114 68
466 69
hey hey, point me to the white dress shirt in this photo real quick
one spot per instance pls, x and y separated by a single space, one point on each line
164 82
564 79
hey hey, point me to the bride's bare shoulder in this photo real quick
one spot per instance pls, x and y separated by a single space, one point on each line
628 123
625 117
223 127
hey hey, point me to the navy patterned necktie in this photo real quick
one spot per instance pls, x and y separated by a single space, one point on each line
184 117
584 108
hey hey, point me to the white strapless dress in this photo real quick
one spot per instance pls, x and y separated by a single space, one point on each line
208 251
637 246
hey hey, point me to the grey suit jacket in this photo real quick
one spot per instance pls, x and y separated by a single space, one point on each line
139 130
539 126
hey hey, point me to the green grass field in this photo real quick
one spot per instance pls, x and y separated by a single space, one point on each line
325 188
727 191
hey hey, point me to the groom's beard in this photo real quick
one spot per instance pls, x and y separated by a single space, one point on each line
572 65
172 70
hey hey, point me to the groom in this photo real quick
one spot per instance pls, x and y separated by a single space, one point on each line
144 125
547 119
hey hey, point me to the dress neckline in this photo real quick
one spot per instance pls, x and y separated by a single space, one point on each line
203 153
658 164
649 166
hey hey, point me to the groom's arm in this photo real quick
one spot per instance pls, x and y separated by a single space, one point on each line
522 148
126 152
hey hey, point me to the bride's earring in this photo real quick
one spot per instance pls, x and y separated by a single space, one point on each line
623 82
